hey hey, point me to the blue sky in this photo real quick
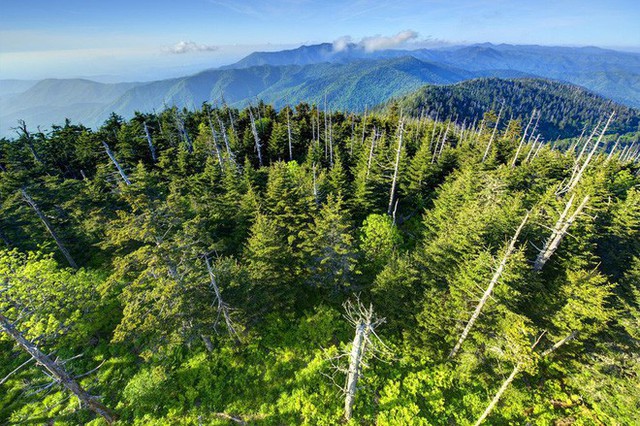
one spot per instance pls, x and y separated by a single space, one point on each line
143 40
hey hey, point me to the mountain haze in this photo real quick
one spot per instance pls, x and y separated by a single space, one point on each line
348 78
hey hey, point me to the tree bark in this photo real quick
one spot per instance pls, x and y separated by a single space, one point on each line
364 124
57 371
444 139
185 134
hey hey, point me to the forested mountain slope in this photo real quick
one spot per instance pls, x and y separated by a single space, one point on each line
565 110
346 86
222 266
612 74
350 77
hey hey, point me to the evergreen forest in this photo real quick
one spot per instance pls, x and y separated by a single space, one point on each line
221 266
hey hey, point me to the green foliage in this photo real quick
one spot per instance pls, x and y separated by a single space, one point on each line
565 109
210 288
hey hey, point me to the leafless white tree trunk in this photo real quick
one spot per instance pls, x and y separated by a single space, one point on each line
524 137
217 148
613 150
22 127
124 176
533 150
183 129
150 142
255 137
289 135
575 178
47 224
498 394
364 321
493 134
489 290
223 308
512 376
57 371
558 233
392 194
373 144
444 140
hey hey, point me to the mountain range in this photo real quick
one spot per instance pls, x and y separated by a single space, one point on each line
565 110
346 78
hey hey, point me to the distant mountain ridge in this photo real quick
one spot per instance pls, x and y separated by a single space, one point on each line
349 78
565 110
610 73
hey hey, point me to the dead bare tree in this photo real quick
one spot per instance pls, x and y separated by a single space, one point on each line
223 308
516 369
256 138
577 142
559 231
433 132
216 146
223 130
365 342
150 142
47 224
57 372
289 135
481 128
489 290
392 193
493 134
524 137
613 150
373 144
437 149
330 139
183 130
444 140
533 149
28 139
364 124
577 174
115 162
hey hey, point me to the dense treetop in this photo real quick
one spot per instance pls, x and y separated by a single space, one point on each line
566 110
215 249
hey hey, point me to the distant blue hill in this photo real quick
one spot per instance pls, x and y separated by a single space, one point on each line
351 78
612 74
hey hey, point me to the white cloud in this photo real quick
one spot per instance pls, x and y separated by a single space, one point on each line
190 46
378 42
342 43
371 44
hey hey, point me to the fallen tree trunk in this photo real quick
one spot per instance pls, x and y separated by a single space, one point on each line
57 371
